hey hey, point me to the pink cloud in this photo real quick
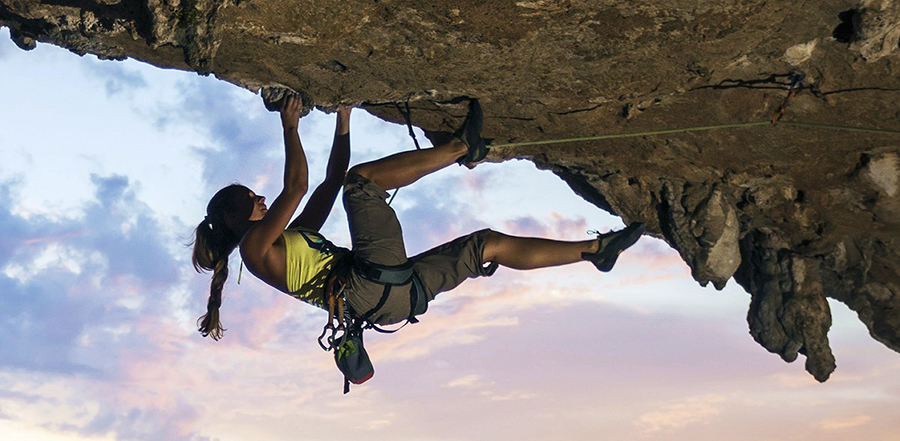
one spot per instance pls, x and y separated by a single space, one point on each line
526 226
569 229
55 238
682 413
476 182
844 422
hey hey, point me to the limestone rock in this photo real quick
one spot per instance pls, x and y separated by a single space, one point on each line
877 27
794 214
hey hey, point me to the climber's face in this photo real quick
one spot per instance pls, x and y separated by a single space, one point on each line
259 206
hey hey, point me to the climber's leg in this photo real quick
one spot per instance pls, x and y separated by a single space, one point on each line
402 169
530 253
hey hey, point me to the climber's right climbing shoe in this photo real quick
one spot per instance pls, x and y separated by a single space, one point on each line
470 134
612 244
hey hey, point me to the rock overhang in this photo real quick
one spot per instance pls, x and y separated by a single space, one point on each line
793 214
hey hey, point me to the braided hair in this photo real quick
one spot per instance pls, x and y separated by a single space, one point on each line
214 241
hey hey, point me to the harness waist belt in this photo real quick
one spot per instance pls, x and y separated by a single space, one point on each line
390 276
383 274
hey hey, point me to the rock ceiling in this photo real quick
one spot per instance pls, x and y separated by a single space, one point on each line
792 213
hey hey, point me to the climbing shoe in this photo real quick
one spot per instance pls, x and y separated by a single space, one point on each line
470 134
612 244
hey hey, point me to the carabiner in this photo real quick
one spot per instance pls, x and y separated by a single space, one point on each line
330 338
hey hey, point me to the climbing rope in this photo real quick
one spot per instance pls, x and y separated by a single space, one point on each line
701 129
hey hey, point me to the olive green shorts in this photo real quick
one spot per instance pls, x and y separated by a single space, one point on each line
377 237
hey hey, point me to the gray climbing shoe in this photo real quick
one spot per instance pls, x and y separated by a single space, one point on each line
470 134
612 244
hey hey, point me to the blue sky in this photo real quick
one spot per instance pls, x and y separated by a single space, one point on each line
107 167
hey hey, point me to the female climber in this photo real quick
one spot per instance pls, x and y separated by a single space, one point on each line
294 258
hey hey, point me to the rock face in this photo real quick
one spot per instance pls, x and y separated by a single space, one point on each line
792 213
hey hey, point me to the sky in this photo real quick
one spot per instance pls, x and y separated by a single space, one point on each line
105 169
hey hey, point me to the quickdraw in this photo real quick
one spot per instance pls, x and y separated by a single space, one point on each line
797 78
407 116
343 333
333 337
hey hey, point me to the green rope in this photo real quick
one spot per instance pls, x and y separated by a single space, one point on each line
837 127
701 129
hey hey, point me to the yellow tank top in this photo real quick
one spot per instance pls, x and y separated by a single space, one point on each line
310 259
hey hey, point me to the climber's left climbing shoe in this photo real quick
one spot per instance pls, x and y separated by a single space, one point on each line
612 244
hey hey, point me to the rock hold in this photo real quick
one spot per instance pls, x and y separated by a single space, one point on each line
878 29
273 96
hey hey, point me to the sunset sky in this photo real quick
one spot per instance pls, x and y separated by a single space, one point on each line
105 169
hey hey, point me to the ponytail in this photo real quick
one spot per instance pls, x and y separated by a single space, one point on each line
213 243
209 324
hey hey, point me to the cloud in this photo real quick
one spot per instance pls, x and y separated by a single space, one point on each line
378 424
39 321
843 423
527 226
245 140
145 424
487 389
555 226
679 414
511 396
567 228
67 405
490 341
69 285
126 231
431 215
467 381
114 75
794 380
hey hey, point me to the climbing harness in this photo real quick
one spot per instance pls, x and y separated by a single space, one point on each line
343 333
390 277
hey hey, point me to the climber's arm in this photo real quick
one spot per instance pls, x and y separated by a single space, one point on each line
259 239
322 200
